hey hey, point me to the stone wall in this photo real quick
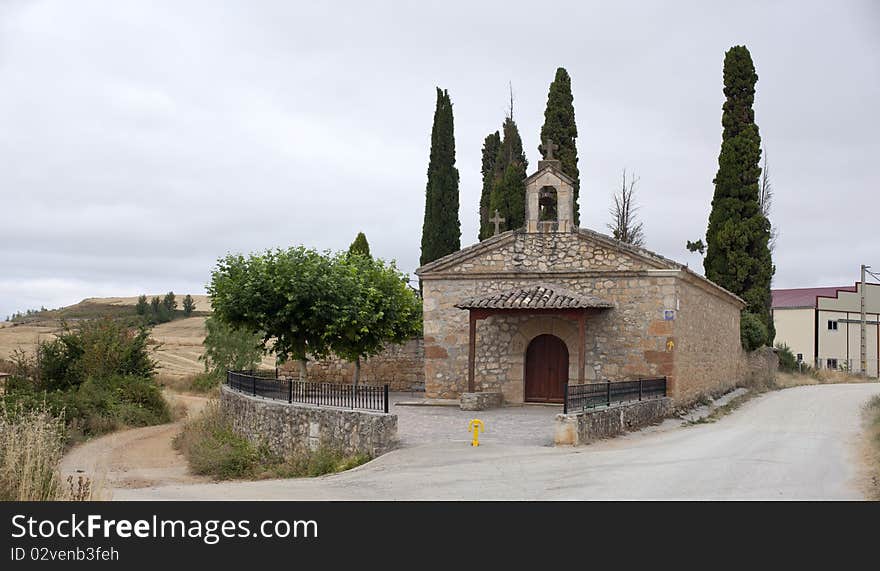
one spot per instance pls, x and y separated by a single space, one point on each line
588 426
759 368
625 342
290 429
666 320
402 367
707 357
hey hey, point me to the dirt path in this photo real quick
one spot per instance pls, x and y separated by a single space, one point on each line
136 458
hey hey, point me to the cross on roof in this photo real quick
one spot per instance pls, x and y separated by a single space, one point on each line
496 220
549 147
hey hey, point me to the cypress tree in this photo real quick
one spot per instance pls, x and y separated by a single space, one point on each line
509 189
360 246
491 145
737 240
559 126
441 230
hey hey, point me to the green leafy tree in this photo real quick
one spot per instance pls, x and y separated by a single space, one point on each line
375 306
509 187
288 296
142 306
560 127
155 303
738 255
360 246
189 305
229 348
98 348
491 146
170 302
441 230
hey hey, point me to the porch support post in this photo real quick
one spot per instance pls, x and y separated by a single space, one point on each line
472 349
582 346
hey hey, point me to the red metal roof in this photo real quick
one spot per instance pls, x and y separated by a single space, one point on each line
805 296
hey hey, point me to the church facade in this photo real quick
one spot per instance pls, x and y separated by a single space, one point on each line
528 310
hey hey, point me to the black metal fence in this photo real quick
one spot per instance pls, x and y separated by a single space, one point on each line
266 384
591 395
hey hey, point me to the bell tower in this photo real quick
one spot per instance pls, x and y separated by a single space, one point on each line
549 196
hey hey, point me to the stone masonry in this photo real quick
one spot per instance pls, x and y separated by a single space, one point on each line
291 429
666 319
401 367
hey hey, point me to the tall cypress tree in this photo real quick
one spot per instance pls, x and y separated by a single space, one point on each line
360 246
441 231
509 189
559 126
490 153
737 240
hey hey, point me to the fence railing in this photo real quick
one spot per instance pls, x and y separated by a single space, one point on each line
266 384
590 395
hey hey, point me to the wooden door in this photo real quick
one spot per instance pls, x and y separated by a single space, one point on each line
546 369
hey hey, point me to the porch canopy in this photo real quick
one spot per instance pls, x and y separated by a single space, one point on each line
539 299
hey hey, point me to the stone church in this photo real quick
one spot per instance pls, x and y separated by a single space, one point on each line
528 310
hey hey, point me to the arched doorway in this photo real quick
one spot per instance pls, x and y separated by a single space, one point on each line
546 369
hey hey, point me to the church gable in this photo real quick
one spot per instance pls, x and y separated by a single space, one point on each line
523 252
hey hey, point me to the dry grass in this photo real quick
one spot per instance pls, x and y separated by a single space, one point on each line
213 448
872 448
31 445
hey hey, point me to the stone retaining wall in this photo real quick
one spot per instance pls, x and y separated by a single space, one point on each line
585 427
290 429
401 367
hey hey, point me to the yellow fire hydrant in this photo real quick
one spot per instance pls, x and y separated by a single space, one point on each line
476 427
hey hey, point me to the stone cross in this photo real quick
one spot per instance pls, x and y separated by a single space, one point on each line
549 147
496 220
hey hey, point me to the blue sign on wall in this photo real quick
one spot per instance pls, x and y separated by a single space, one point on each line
668 314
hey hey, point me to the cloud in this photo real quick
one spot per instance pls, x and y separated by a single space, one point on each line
143 140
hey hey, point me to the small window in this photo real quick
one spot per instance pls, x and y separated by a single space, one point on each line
831 363
832 325
800 357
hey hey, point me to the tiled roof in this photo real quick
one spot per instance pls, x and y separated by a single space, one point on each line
804 297
534 297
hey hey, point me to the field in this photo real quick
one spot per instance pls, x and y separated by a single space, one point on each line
178 343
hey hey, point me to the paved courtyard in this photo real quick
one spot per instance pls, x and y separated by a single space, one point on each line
527 425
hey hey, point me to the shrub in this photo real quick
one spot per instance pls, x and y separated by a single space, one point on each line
787 360
205 382
96 348
213 448
752 331
99 375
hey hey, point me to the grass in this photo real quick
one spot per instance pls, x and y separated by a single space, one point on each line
727 408
872 419
31 445
213 448
201 383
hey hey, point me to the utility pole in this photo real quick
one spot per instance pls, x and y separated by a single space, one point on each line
863 343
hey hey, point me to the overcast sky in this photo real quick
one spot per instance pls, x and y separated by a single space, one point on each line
140 141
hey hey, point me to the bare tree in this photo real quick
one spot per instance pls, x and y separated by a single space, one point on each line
765 199
625 226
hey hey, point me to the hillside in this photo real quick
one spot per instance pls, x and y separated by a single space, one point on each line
178 342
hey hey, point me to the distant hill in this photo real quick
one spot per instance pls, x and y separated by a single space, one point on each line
179 342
